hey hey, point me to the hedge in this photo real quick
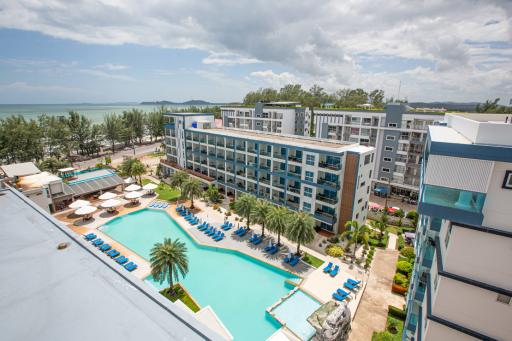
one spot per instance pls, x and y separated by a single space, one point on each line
404 267
397 312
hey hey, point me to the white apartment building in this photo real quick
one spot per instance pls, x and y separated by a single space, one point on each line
273 117
461 287
329 179
397 133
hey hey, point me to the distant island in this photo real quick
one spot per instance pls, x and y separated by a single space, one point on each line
191 102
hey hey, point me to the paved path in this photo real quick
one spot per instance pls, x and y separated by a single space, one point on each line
373 309
392 241
118 156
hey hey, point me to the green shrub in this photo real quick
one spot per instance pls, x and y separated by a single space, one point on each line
408 252
401 242
383 336
334 250
334 240
400 279
397 312
404 267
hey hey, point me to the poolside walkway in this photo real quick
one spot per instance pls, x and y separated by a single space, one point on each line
373 310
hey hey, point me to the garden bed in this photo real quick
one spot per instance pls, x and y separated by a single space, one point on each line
164 191
312 260
394 327
183 296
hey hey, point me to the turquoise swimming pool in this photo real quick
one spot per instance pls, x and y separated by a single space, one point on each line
295 310
237 287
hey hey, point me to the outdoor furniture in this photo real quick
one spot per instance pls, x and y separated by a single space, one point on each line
90 236
334 271
328 267
338 297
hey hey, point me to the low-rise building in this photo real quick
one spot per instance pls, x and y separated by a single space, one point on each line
329 179
272 117
398 133
461 286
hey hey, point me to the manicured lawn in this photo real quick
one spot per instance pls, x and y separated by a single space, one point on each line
312 260
164 191
387 335
156 154
181 294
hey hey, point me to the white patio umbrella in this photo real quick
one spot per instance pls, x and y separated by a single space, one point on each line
111 203
133 195
79 203
107 196
85 210
129 180
132 187
149 186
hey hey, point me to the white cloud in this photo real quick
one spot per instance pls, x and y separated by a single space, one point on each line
103 74
321 42
111 67
276 80
228 59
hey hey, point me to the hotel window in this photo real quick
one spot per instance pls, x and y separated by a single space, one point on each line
367 159
308 192
390 138
392 125
387 159
385 170
360 200
388 149
306 207
309 176
310 160
383 178
363 183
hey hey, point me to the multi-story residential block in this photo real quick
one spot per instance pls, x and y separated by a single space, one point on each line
329 179
273 117
398 134
461 287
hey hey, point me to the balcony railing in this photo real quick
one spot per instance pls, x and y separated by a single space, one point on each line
328 183
324 216
295 159
293 189
330 165
190 171
326 199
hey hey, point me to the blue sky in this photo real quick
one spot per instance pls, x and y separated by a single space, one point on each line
110 51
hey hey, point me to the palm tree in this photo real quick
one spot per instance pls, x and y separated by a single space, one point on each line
168 261
137 170
355 233
301 229
244 206
260 214
192 189
212 194
278 220
178 179
400 214
380 225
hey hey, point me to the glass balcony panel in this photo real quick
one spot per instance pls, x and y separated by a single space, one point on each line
453 198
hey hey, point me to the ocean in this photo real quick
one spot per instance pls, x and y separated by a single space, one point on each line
93 111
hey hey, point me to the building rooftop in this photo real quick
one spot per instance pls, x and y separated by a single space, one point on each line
75 293
188 114
292 140
37 180
446 135
20 169
490 118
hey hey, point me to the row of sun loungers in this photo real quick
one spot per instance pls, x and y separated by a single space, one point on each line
292 259
211 231
158 204
330 270
112 253
341 294
226 226
241 231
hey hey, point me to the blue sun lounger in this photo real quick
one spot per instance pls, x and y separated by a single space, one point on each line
288 258
337 297
295 261
328 267
238 230
269 246
113 253
353 282
130 266
105 247
273 250
212 232
220 237
228 227
121 260
335 271
350 286
90 236
203 227
243 233
342 292
97 242
254 238
258 241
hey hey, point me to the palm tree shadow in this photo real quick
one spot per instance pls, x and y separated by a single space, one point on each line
82 222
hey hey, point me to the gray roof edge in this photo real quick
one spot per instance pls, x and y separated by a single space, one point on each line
201 330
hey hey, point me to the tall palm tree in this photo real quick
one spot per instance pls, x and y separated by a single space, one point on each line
355 233
260 214
301 229
178 179
278 220
244 206
192 189
137 170
379 225
400 214
168 261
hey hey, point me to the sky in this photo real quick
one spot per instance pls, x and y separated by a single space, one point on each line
54 51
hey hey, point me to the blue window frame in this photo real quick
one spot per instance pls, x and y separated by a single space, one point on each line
308 192
306 207
310 160
309 176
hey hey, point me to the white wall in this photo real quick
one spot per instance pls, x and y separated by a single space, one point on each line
497 208
438 332
473 308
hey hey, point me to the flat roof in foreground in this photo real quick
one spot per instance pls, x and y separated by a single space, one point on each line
20 169
286 139
76 293
447 135
491 118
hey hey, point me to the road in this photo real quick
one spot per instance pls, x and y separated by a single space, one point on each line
118 156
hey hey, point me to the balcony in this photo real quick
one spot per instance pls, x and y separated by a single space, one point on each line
328 200
420 292
188 170
412 323
325 217
293 189
330 165
428 256
293 204
329 183
294 175
265 181
294 158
